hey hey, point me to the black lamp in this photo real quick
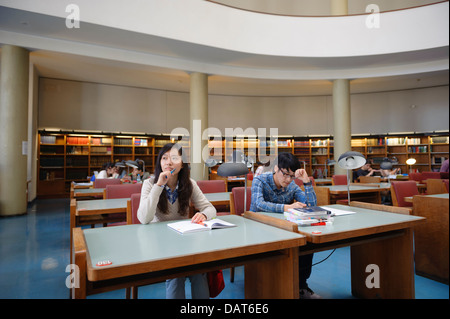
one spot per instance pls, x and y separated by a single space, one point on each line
351 160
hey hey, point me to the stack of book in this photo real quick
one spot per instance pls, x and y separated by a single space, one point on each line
309 216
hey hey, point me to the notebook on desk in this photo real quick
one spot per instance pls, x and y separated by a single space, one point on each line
186 226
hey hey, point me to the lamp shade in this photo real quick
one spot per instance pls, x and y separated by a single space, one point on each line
411 161
232 169
351 160
210 162
331 162
120 164
131 164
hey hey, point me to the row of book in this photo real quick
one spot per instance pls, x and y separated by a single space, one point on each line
77 140
417 149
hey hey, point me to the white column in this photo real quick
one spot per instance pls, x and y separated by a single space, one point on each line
13 124
341 120
198 123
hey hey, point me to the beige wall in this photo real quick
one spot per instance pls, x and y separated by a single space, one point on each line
91 106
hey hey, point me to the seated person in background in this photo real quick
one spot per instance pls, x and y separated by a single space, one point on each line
365 170
138 171
108 171
387 172
444 166
277 192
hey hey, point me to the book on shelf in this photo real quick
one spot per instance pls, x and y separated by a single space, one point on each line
395 141
186 226
48 139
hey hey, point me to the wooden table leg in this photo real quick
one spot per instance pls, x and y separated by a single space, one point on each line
79 257
273 279
384 268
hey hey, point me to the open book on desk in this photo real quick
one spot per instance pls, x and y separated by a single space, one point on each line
186 226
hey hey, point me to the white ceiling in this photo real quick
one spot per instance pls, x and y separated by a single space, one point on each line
105 55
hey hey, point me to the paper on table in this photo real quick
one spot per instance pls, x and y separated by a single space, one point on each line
338 212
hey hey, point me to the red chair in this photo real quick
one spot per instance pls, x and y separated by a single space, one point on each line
400 190
122 190
212 186
237 200
339 180
102 182
215 186
415 177
431 175
132 207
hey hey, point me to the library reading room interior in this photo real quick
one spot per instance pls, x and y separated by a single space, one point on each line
304 144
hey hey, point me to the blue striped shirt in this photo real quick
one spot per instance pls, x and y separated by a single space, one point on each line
266 197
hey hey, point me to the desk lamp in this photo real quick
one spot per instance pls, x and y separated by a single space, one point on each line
138 160
235 169
410 161
351 160
131 164
387 165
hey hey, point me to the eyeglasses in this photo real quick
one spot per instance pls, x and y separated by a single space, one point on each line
286 175
173 158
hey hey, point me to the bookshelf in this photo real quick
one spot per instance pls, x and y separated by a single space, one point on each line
67 157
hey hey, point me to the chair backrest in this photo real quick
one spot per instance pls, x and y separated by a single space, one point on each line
102 182
435 186
431 175
400 190
132 208
370 179
212 186
446 184
339 180
444 175
381 207
415 177
122 191
237 200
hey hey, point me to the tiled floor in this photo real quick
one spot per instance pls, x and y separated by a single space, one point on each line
34 254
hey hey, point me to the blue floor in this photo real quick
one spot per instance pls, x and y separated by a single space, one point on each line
34 253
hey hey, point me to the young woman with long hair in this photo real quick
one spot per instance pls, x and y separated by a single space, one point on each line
167 196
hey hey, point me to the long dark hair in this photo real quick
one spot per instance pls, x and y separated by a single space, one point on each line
184 182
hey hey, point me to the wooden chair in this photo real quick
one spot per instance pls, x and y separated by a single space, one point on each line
400 190
102 182
446 184
237 200
384 208
415 177
430 175
370 179
431 238
212 186
339 180
121 191
323 195
215 186
436 186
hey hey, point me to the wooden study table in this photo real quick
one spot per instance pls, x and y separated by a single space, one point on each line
95 209
410 198
222 198
145 254
376 238
323 181
432 238
87 192
366 192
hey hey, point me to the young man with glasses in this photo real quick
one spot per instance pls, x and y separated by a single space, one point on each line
276 192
